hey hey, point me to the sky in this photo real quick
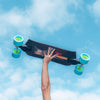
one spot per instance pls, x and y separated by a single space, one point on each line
69 24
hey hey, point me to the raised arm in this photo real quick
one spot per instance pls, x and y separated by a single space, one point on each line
45 82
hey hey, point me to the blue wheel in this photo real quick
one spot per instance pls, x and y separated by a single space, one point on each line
79 70
84 58
18 40
16 52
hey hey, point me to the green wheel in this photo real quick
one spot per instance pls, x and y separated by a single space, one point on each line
18 40
16 52
84 58
79 70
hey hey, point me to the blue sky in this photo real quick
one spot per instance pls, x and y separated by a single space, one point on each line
69 24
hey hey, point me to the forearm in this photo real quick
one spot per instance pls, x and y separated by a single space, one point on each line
45 76
45 83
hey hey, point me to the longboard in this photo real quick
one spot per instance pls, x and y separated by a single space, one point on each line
36 49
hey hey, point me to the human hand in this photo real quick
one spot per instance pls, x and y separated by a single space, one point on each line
49 56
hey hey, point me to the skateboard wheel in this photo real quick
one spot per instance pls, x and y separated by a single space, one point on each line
79 70
18 40
16 52
84 58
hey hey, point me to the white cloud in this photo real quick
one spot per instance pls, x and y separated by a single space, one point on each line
31 81
73 95
66 95
31 98
11 93
98 91
34 64
89 96
3 97
51 15
14 20
37 92
86 82
16 77
55 95
27 98
48 15
3 64
89 81
94 9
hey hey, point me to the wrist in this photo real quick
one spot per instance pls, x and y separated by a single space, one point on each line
44 62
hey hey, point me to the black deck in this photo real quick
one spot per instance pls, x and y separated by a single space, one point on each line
36 49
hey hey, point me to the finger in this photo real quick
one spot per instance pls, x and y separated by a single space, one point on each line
54 56
52 52
44 53
48 51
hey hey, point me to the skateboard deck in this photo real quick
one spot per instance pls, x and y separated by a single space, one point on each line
36 49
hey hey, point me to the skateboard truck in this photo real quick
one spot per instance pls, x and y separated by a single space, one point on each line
17 41
84 59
